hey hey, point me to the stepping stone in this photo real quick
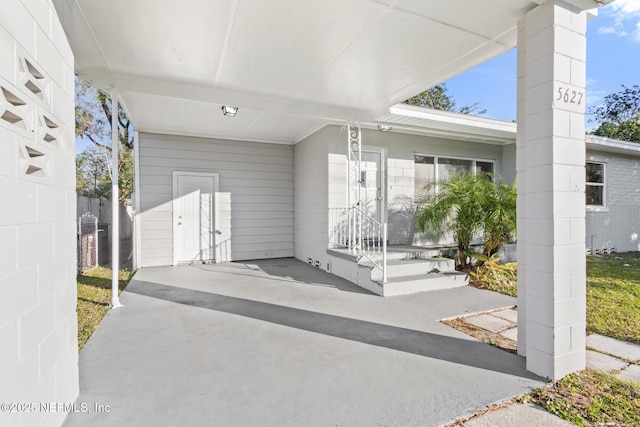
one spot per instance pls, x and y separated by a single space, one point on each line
511 334
518 415
630 373
489 322
509 314
615 347
603 362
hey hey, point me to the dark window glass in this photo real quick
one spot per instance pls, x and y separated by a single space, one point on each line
594 195
595 173
595 184
484 167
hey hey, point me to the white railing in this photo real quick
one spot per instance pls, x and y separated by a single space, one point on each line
353 229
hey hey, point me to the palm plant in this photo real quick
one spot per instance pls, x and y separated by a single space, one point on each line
499 216
453 207
468 206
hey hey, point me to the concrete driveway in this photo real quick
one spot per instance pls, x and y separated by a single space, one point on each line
281 343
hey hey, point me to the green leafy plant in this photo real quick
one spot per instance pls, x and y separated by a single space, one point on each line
490 274
468 206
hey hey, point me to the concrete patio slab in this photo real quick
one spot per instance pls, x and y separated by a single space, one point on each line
518 415
489 322
630 373
612 346
603 362
509 314
511 334
279 342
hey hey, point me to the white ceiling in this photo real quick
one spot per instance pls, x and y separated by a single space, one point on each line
289 65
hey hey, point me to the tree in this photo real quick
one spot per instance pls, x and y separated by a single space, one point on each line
438 99
467 206
619 115
93 123
92 172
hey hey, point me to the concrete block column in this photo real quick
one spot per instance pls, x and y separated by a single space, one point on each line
551 184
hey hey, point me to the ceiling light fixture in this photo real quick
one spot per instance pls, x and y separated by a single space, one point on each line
229 111
384 128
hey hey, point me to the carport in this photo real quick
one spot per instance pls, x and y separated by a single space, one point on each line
279 342
288 68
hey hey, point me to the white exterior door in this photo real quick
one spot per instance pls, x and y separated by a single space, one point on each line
193 216
371 185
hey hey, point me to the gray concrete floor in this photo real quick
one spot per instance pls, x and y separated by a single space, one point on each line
281 343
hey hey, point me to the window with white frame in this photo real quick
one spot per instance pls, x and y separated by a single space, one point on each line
428 169
595 184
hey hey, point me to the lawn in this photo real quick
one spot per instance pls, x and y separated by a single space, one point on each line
613 296
613 309
613 293
94 297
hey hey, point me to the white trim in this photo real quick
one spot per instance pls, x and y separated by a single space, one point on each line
608 145
603 207
216 189
136 200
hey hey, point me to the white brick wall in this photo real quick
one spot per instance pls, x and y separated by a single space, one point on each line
617 225
38 326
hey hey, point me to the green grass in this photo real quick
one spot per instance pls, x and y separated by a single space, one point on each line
592 398
94 297
613 296
613 293
613 309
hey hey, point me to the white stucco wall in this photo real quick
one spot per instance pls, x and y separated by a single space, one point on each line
38 326
617 224
256 182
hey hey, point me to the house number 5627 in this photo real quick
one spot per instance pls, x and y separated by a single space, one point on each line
569 96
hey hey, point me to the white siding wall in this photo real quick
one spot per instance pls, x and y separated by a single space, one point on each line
311 179
257 211
38 326
618 224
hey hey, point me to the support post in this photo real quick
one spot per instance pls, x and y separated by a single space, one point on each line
551 185
115 204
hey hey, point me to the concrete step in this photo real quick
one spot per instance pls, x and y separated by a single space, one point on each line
398 254
423 283
398 268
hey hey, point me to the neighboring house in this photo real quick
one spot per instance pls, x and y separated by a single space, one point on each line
282 200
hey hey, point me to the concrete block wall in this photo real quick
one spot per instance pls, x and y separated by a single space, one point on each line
38 325
550 178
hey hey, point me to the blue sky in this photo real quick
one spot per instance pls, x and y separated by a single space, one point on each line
613 59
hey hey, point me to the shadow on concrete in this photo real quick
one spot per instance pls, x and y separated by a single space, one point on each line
289 270
455 350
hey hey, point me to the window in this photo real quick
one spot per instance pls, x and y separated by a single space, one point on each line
430 168
595 184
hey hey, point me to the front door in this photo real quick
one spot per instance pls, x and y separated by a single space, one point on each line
193 217
371 185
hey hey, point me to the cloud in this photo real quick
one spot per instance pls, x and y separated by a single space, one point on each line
624 17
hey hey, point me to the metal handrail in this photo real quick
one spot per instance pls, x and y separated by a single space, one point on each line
361 234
